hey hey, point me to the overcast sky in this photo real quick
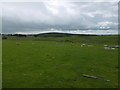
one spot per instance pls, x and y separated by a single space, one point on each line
71 17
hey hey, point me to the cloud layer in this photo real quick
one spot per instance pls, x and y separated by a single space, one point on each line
61 16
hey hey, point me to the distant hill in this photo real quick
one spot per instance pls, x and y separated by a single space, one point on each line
52 34
57 34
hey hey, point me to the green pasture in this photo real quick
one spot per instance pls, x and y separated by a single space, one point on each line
59 62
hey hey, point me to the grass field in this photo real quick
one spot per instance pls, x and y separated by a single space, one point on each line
0 62
57 63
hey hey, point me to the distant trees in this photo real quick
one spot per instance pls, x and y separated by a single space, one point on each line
35 35
6 36
19 35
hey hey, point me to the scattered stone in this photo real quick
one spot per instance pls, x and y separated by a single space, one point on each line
94 77
83 45
88 76
108 80
117 46
113 48
109 48
105 45
17 43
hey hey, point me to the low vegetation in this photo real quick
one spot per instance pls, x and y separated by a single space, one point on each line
60 62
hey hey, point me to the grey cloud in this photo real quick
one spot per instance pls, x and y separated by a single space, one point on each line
27 17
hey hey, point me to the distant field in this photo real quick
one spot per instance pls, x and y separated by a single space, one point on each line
60 62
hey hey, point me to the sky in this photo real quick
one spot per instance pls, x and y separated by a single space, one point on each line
60 16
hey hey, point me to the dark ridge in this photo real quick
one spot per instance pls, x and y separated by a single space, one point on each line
57 34
52 34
